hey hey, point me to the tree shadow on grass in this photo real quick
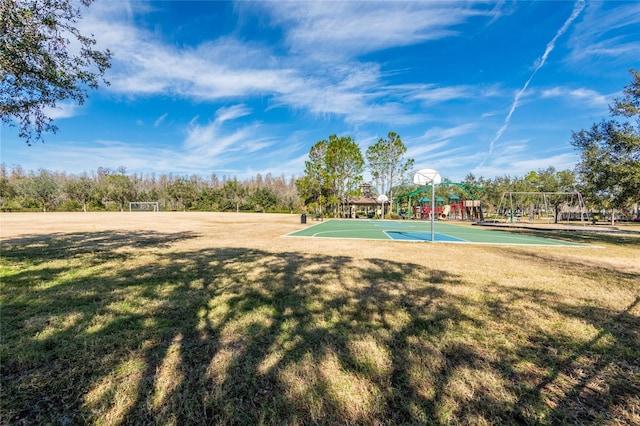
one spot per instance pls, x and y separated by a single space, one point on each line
147 334
586 373
611 378
579 268
619 238
55 246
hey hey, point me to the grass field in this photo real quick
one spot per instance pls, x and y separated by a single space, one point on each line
211 318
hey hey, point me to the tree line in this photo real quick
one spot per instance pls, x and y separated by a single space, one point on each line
107 189
111 190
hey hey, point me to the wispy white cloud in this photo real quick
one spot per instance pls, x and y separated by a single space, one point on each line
440 134
231 113
204 73
210 141
62 110
583 95
218 145
334 83
431 94
440 148
215 69
346 28
607 33
514 158
160 119
559 162
612 48
420 151
352 91
227 146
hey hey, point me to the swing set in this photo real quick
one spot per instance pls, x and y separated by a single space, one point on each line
567 206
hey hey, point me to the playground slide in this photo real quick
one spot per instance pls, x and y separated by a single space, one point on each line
445 212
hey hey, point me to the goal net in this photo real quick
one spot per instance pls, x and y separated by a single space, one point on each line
144 206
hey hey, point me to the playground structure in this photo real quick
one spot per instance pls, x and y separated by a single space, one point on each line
454 208
556 206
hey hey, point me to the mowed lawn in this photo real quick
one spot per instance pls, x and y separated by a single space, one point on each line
212 318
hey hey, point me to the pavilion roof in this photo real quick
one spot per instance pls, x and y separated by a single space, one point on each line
364 201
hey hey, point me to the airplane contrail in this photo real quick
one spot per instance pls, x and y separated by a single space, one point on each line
577 8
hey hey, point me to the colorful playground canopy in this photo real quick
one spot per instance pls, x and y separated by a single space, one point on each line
466 188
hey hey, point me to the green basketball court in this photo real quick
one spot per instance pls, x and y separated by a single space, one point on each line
420 231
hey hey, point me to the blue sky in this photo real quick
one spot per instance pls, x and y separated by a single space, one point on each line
240 88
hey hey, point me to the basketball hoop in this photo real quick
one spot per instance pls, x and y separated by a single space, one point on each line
427 177
382 199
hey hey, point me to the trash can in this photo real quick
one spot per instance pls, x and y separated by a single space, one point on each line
303 218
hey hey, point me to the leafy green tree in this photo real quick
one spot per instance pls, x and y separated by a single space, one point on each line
550 180
332 173
44 59
291 201
472 180
208 198
43 188
233 195
263 199
119 188
79 189
494 190
344 166
386 162
7 189
183 191
609 167
313 186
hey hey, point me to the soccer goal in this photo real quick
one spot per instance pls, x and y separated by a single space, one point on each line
143 206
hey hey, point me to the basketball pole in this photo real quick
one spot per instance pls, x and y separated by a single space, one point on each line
423 177
433 209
